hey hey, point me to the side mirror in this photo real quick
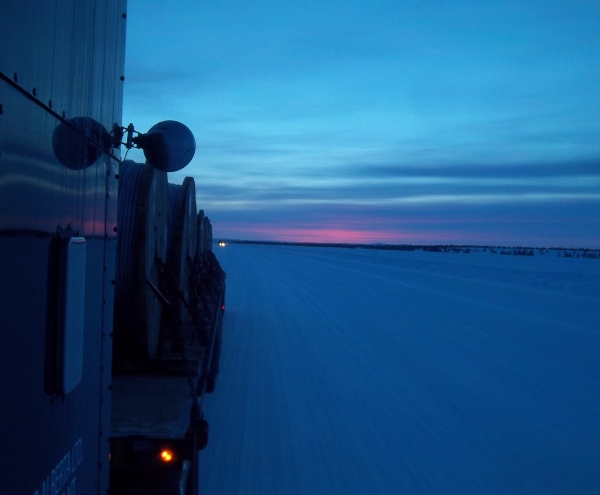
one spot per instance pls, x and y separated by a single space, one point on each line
78 142
168 146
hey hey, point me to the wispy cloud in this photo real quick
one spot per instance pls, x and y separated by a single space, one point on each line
379 121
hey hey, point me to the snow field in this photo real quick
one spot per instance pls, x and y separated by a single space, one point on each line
361 371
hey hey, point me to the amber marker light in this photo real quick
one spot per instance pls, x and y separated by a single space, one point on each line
166 455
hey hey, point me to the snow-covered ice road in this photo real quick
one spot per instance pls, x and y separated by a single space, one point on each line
347 371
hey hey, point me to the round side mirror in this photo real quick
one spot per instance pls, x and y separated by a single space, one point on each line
168 146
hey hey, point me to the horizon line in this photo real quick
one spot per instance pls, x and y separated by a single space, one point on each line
382 245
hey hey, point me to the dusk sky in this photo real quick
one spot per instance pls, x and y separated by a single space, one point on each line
421 122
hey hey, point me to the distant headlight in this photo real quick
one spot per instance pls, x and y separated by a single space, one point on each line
222 243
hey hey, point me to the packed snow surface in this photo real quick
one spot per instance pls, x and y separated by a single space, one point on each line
352 371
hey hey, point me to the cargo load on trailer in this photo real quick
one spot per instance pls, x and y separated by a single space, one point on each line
167 331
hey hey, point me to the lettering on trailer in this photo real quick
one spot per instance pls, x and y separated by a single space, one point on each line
61 480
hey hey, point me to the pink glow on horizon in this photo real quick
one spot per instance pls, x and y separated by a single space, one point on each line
437 233
359 227
320 234
366 228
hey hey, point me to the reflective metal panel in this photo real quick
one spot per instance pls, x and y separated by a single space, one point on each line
61 63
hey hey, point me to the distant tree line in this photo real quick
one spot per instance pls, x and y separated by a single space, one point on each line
443 248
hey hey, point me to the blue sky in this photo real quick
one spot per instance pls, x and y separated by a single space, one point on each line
380 121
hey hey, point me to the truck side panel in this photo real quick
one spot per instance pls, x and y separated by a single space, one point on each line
61 60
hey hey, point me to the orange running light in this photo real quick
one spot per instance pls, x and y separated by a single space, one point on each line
166 455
